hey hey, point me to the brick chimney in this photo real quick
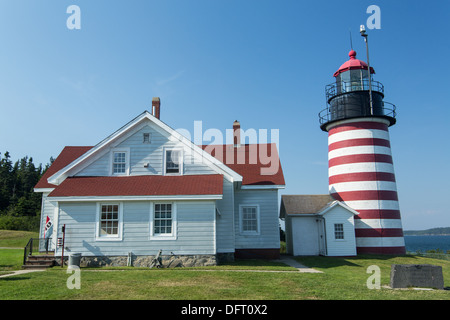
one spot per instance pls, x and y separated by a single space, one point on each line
156 105
237 133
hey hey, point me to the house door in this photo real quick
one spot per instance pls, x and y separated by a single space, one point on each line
322 239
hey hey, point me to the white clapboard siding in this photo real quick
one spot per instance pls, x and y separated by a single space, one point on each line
48 209
195 232
269 235
224 217
347 246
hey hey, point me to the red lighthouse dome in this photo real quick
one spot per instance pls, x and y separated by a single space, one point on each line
352 64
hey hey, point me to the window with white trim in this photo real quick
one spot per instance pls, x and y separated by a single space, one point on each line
109 218
119 162
339 231
249 219
173 161
163 221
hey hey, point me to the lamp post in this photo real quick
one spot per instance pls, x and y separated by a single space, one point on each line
362 30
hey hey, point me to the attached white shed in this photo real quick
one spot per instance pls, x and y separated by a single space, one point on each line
318 225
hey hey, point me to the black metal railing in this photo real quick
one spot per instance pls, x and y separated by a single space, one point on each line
37 246
329 114
341 87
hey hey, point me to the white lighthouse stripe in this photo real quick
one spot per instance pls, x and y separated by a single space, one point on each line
358 134
378 224
361 167
380 242
373 204
362 186
359 150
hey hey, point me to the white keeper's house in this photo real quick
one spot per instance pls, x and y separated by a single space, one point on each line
146 188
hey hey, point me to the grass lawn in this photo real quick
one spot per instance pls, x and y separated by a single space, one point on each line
342 279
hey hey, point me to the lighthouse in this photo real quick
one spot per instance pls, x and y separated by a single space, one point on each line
360 166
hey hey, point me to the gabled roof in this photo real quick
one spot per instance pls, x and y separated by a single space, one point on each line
67 155
311 204
251 162
59 176
335 203
303 204
148 185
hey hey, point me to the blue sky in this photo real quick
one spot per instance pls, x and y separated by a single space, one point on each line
263 62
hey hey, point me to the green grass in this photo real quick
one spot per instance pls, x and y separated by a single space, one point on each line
16 239
342 279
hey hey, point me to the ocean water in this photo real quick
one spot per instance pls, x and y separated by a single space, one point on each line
424 243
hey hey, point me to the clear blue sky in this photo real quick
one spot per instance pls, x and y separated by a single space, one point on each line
263 62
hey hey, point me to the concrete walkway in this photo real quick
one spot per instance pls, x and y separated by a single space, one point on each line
18 272
295 264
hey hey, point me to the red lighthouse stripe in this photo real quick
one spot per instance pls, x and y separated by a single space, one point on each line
359 142
362 176
358 126
378 232
365 195
355 158
378 214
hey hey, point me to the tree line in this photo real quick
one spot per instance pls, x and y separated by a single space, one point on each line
20 206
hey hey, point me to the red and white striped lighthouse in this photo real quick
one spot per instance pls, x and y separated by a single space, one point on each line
360 166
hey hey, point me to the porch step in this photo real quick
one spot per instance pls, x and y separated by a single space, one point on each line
39 261
41 258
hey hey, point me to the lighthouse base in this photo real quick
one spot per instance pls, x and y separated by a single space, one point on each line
361 175
381 250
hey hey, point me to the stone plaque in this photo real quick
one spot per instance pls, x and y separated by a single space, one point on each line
416 275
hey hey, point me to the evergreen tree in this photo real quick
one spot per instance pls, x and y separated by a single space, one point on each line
17 198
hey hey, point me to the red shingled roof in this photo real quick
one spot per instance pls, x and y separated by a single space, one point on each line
246 160
258 164
149 185
67 155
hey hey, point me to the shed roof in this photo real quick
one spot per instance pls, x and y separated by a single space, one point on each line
304 204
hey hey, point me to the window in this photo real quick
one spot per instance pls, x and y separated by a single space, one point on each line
249 219
338 231
173 161
163 221
146 138
119 163
109 218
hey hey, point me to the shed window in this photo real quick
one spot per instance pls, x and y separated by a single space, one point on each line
338 231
